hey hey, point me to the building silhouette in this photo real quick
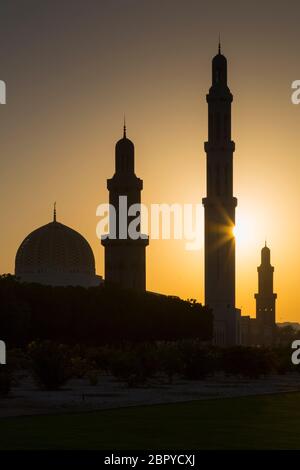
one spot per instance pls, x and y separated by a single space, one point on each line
219 206
261 330
266 298
125 257
56 255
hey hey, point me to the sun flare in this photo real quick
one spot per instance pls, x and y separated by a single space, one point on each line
244 232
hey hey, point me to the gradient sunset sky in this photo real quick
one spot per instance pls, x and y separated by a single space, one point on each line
72 69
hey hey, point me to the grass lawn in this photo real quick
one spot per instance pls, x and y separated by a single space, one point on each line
264 422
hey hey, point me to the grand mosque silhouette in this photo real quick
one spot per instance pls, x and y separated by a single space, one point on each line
55 254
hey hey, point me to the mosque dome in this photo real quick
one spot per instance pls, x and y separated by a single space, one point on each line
124 155
265 254
56 255
219 74
124 145
219 60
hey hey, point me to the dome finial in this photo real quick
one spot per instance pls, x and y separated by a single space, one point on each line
54 212
219 46
124 127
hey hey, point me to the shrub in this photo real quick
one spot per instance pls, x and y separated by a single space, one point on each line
126 367
17 359
80 366
247 362
50 364
100 357
282 360
198 362
170 360
5 381
93 377
134 366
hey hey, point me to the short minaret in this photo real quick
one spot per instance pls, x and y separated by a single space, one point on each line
266 298
125 257
219 208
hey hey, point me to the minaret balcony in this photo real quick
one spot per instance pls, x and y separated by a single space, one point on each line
217 201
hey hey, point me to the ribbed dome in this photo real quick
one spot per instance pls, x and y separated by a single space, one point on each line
265 254
266 249
125 145
55 254
220 60
124 156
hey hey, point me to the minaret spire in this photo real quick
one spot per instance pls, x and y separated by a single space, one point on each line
54 212
124 127
219 46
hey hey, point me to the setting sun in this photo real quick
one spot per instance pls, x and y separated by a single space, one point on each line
244 232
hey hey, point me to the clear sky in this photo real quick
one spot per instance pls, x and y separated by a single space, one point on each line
72 69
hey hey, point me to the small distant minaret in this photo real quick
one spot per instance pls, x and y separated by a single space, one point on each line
125 258
266 298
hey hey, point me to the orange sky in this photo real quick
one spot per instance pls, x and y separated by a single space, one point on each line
71 76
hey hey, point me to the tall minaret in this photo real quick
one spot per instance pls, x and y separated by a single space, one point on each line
219 206
125 257
265 298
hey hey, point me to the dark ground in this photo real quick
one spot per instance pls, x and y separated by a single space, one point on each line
261 422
